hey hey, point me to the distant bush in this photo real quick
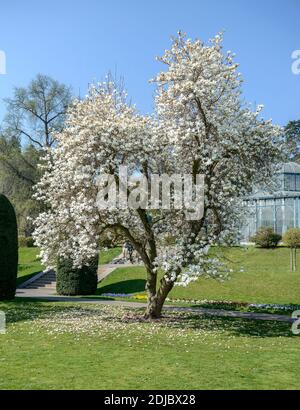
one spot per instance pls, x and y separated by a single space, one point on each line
292 238
266 238
111 238
169 240
26 242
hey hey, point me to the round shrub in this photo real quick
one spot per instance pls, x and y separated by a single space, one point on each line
72 281
292 238
22 241
26 242
30 242
8 249
265 237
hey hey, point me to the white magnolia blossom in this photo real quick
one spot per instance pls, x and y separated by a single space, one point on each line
202 126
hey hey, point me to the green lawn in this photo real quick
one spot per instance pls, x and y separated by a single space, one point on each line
68 346
106 256
29 264
266 279
79 346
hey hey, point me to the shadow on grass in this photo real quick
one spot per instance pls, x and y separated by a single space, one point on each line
22 279
20 310
236 326
126 287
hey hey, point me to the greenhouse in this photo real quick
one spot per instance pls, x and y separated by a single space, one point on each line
279 210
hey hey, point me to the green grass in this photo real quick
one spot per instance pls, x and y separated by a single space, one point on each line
124 280
106 256
65 346
266 279
29 264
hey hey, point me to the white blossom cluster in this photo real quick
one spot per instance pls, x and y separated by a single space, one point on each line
101 133
201 126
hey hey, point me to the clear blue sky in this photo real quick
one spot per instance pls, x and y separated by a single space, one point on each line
78 41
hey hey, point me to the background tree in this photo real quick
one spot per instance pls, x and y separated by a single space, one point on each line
292 239
202 127
34 115
292 135
37 112
18 173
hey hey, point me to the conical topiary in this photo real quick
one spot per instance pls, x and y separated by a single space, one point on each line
8 249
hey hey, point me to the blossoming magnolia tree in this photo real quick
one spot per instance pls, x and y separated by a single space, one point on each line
201 127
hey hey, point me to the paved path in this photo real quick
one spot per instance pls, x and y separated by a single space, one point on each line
198 311
105 270
44 283
43 287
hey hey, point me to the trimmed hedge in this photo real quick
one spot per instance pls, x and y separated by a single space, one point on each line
8 249
72 281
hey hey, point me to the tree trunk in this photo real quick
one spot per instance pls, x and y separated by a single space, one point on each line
156 300
151 292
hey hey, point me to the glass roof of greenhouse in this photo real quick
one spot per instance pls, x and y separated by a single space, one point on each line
290 168
289 184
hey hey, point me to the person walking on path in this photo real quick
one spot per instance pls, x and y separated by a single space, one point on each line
128 251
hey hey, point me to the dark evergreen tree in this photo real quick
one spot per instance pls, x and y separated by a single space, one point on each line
8 249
